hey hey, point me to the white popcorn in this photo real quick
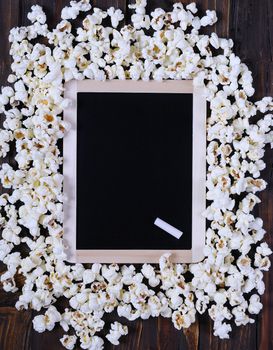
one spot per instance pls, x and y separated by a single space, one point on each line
209 19
214 40
69 341
88 276
262 262
180 321
91 343
5 249
140 21
149 273
116 16
75 8
45 322
222 330
254 304
192 7
265 104
158 16
263 249
116 331
139 6
37 14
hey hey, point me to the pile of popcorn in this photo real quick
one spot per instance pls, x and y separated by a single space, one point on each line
228 283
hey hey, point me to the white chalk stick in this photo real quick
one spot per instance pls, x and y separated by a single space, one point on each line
168 228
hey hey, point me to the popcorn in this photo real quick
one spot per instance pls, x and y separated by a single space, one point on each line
214 41
140 21
221 330
115 15
88 276
244 264
116 331
209 19
180 321
265 104
241 318
75 8
263 249
192 7
37 14
149 273
161 45
78 300
262 262
68 341
254 304
91 343
139 6
45 322
158 16
5 248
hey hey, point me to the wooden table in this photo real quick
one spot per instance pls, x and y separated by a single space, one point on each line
250 24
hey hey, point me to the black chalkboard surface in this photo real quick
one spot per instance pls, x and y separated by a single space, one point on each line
134 164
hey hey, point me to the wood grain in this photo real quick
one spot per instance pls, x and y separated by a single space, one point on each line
250 24
15 328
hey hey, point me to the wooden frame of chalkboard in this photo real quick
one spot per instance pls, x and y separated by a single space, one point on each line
198 224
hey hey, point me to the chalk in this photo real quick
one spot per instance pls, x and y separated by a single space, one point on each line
168 228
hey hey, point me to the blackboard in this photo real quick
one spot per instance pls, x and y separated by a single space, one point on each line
134 164
135 155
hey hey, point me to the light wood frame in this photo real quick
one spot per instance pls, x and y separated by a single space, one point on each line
199 172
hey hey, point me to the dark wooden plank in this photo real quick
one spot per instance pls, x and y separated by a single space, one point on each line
14 329
146 335
250 28
9 18
249 23
170 338
243 338
265 318
153 334
105 4
192 335
253 44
